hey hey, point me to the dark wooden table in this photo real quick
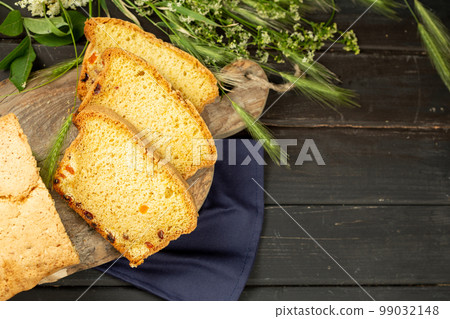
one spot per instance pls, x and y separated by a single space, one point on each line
381 204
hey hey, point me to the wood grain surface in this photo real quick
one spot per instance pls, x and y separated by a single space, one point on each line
377 245
250 293
42 111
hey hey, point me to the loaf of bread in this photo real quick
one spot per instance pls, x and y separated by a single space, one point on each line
33 241
17 179
123 190
187 75
133 89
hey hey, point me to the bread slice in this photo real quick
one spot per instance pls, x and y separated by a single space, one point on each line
134 90
187 75
17 178
124 191
33 241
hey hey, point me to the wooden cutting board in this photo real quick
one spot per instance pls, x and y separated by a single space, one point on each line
42 111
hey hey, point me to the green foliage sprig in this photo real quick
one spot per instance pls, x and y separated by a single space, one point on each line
436 40
433 33
46 31
387 8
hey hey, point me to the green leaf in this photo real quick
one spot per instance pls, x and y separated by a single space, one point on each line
189 13
121 6
17 52
104 7
54 29
41 26
13 25
52 40
21 67
76 22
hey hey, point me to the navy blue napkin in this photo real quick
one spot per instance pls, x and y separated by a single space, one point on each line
214 261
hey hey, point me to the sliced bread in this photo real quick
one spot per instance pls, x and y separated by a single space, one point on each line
123 190
133 89
17 178
187 75
33 241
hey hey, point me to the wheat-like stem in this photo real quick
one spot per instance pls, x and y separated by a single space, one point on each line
259 132
435 28
323 92
384 7
439 59
49 165
436 40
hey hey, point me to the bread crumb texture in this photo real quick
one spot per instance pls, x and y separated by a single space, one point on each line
137 92
121 189
33 241
187 75
18 170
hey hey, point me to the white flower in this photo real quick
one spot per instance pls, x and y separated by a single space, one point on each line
186 19
36 7
265 57
265 37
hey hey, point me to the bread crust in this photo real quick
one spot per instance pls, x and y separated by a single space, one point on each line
93 23
33 240
109 115
111 54
19 189
84 77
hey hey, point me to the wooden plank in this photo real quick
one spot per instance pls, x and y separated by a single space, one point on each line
375 31
45 56
369 167
86 277
94 294
331 293
395 91
377 245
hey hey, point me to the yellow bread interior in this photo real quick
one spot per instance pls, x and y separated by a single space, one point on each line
187 75
121 189
18 170
136 91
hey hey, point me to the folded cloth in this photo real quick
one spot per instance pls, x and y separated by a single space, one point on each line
214 261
